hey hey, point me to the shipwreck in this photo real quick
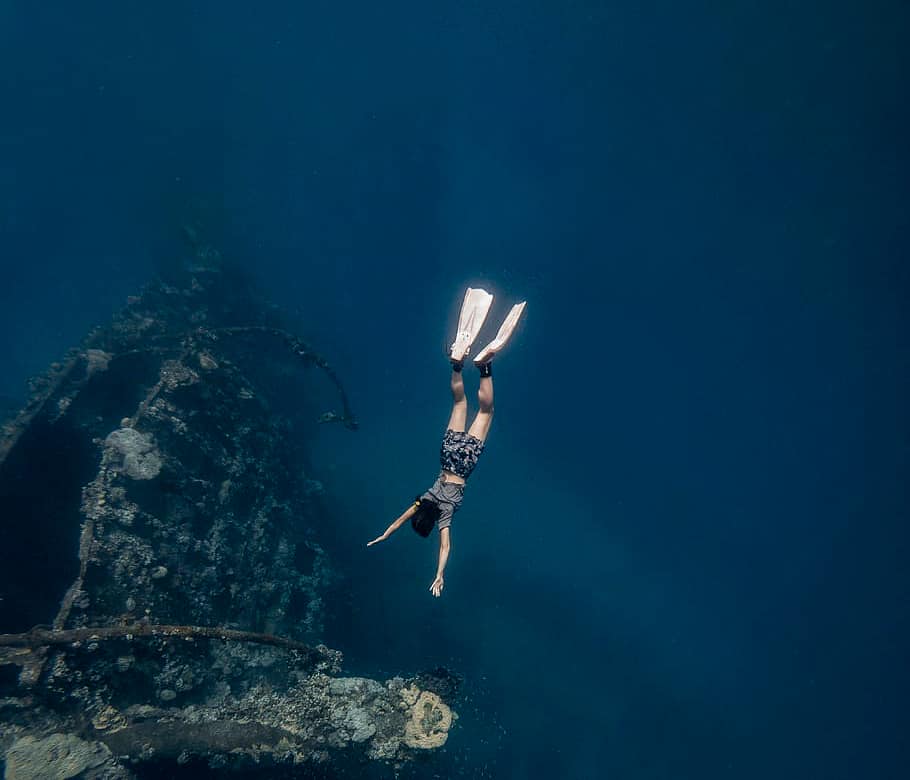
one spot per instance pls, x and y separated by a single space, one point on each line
162 577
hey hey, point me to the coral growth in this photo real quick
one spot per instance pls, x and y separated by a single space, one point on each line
430 721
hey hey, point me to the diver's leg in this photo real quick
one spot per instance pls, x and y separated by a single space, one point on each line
459 415
481 425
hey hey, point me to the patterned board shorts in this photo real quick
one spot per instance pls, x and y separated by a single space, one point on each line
459 452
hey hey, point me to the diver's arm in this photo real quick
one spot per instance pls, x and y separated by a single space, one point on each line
396 525
445 545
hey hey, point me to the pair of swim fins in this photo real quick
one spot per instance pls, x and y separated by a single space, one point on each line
474 311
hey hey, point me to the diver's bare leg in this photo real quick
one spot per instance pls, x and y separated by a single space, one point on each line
459 416
484 418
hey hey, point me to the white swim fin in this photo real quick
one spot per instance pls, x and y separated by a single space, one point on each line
474 311
502 338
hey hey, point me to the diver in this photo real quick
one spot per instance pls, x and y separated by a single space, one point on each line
460 450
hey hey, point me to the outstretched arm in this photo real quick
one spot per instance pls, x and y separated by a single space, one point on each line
445 545
406 515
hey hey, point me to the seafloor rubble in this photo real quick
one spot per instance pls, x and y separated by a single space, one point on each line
162 576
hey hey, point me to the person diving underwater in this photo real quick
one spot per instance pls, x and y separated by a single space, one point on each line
460 450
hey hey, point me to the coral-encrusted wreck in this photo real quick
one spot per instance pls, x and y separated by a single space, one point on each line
160 518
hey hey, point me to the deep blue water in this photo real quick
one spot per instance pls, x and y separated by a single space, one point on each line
684 551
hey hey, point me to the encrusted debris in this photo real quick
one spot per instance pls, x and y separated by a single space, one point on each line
59 757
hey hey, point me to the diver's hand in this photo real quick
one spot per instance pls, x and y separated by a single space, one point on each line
377 540
437 586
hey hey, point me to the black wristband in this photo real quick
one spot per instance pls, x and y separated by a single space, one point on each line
457 365
486 369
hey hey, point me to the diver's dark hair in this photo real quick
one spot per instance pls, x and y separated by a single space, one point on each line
423 520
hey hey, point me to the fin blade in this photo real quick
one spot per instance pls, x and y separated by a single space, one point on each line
474 310
504 333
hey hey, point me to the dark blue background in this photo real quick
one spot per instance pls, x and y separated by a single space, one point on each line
683 554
